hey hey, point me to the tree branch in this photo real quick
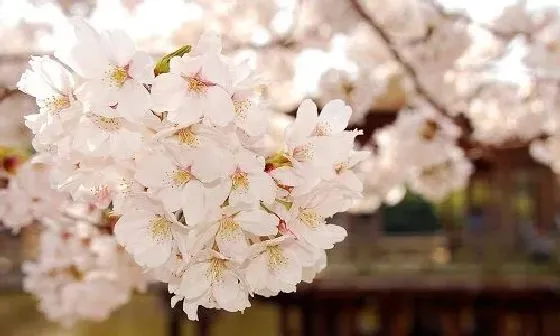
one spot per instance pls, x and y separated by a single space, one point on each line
409 70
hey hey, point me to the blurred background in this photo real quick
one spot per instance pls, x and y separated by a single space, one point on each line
480 260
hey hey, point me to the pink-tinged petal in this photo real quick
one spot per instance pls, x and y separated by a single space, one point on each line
336 115
152 170
141 67
263 187
304 124
258 222
89 138
255 122
211 163
257 273
232 243
125 144
195 281
287 176
350 181
134 101
119 46
186 65
216 193
155 256
193 202
218 106
325 236
209 42
97 94
85 54
188 112
227 291
214 70
168 91
290 272
249 162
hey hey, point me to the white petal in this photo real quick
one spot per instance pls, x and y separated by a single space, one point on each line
336 114
219 106
168 91
195 281
119 46
193 202
262 186
233 244
305 122
211 163
141 67
133 102
258 222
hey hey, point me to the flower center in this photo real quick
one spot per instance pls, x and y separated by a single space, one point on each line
118 76
322 129
228 226
187 137
239 180
160 228
303 153
196 85
57 104
436 170
182 176
216 270
106 123
429 130
340 167
241 107
275 257
309 217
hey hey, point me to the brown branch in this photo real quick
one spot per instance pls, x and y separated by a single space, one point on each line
6 93
409 70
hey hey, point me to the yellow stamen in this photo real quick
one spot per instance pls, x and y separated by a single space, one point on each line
241 107
182 176
217 267
309 217
429 130
187 137
341 167
228 226
107 124
196 85
118 76
239 180
275 257
322 129
303 153
57 104
160 228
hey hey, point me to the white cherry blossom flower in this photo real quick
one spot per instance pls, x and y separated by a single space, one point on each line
113 71
147 234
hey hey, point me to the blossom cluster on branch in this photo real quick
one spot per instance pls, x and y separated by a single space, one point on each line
178 151
81 273
500 75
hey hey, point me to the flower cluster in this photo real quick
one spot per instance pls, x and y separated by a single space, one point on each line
28 196
418 151
177 150
80 273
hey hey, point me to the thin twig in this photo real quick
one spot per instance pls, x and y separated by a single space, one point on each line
420 89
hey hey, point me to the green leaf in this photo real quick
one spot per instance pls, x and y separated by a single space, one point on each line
162 66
